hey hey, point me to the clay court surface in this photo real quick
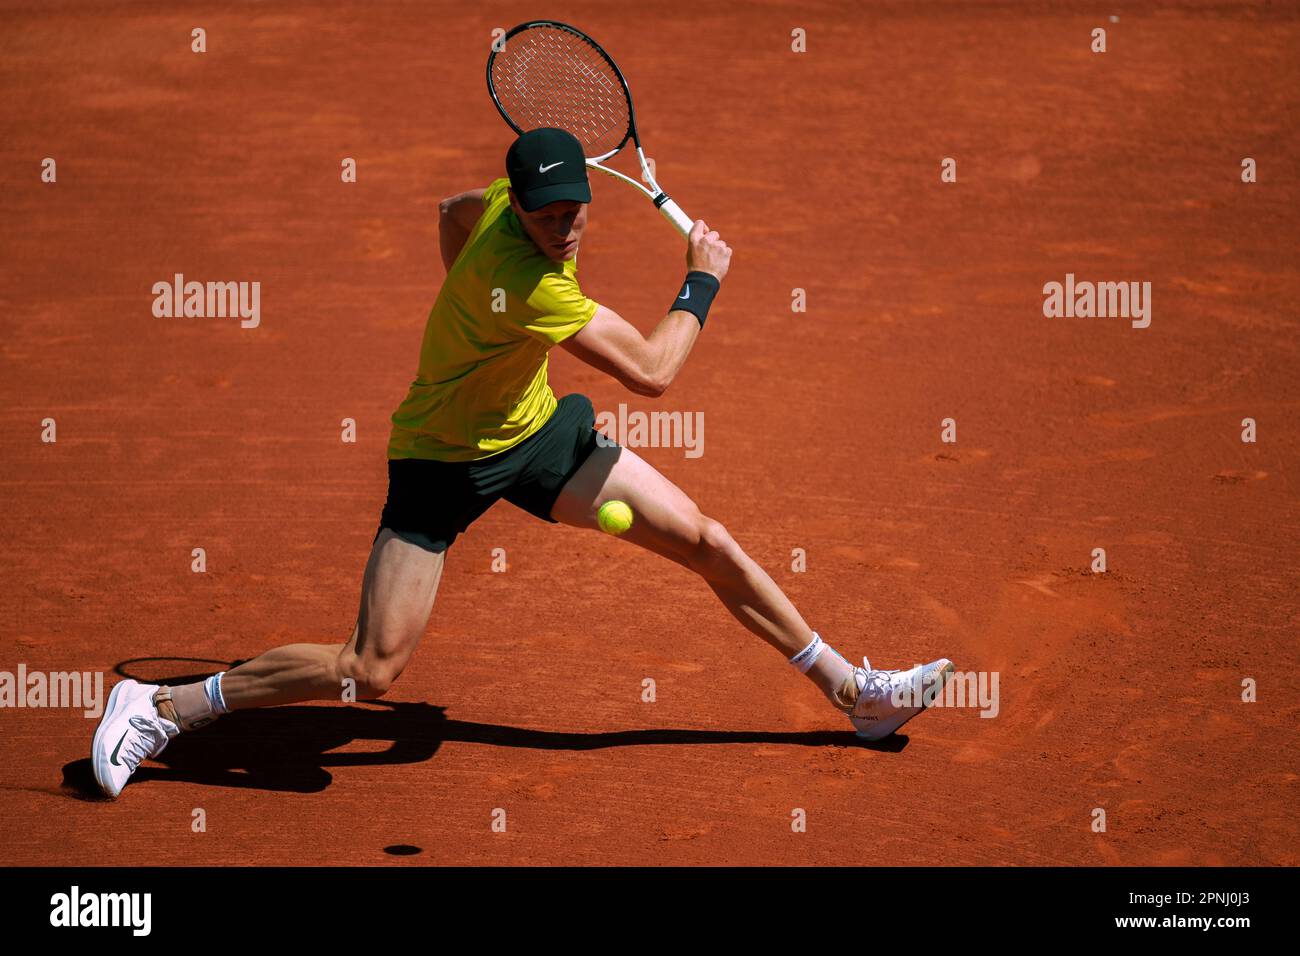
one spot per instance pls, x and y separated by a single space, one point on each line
1119 690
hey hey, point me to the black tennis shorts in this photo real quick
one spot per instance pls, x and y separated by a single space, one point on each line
430 502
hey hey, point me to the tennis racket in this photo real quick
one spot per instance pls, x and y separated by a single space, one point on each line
548 73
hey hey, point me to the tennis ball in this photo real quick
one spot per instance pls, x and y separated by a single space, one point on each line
615 517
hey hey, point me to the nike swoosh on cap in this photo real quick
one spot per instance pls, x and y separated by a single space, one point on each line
547 169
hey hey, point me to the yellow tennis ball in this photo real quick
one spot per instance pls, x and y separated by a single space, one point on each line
615 517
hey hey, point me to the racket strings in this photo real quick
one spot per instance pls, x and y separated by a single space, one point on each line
550 77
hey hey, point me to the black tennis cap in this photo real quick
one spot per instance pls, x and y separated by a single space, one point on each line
546 165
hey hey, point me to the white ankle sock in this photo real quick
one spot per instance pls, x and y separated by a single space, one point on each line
212 687
830 672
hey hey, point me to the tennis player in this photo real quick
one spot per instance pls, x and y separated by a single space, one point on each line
480 423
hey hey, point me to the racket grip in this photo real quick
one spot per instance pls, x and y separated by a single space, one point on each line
673 213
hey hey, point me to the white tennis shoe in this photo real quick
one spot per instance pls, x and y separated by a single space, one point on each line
889 699
129 731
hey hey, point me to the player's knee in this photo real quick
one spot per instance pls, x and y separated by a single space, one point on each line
371 678
375 682
716 551
375 679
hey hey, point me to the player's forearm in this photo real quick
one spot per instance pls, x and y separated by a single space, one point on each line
671 341
667 348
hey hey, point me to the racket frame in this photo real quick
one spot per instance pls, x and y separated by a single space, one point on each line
666 206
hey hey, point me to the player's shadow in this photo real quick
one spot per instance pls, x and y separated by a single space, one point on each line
292 748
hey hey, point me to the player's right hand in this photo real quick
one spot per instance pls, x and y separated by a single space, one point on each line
706 252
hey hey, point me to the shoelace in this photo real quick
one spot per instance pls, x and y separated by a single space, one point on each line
878 681
148 742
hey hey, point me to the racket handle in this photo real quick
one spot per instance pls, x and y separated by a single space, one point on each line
673 213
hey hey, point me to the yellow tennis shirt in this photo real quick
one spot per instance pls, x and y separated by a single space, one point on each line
481 387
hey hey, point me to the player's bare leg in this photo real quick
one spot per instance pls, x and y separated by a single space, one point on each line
670 524
397 595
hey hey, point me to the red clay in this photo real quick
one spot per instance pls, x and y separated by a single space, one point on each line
1119 690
